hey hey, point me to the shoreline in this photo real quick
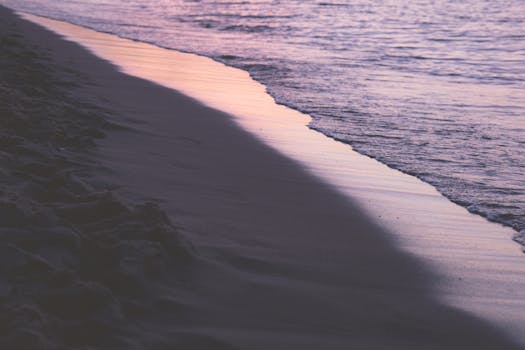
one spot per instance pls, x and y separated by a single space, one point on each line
259 224
195 91
454 197
460 247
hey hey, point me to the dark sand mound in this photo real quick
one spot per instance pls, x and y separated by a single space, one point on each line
79 267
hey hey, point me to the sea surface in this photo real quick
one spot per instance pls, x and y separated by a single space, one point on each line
435 89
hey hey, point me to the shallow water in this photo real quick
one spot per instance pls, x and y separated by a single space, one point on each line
433 88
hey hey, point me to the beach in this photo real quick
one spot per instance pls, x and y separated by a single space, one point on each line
174 226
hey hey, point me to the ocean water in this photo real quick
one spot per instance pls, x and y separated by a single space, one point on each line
435 89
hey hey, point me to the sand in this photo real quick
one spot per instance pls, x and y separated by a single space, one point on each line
251 251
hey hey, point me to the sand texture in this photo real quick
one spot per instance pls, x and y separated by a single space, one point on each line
97 168
76 261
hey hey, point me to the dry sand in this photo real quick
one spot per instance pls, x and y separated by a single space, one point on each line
280 260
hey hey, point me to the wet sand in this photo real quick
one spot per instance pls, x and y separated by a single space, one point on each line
279 258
